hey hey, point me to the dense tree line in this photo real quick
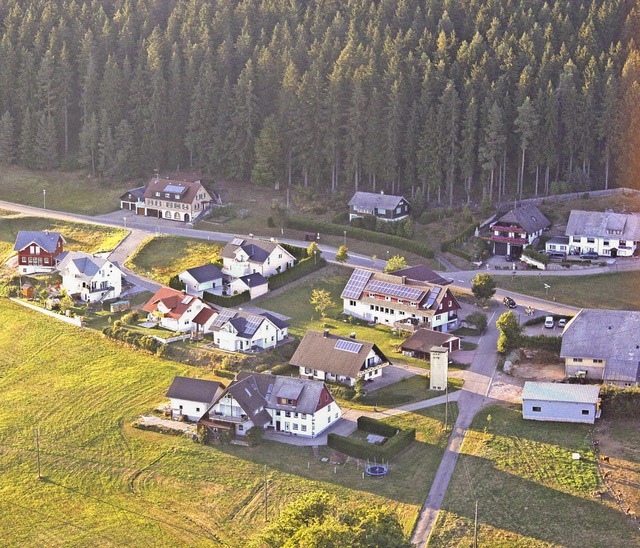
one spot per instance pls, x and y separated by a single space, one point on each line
455 99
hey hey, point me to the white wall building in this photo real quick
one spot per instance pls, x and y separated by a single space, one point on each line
177 311
608 234
202 278
92 278
190 398
237 331
557 402
243 256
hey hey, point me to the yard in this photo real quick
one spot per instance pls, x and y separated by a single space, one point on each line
105 483
530 491
161 257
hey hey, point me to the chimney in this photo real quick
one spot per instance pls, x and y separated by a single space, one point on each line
325 333
352 335
404 280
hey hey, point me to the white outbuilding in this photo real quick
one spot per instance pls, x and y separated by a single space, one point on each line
557 402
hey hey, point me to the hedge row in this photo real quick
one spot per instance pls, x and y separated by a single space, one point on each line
620 403
542 342
310 225
374 426
227 302
300 270
536 255
298 252
463 235
361 449
133 338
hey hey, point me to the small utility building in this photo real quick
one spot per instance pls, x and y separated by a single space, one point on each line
549 401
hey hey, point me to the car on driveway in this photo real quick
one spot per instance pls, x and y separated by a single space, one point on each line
508 301
549 322
562 322
589 255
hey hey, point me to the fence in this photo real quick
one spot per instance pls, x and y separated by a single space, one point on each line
77 320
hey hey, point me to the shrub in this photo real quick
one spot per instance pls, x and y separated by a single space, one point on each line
301 269
131 317
175 283
620 403
254 435
542 342
341 391
460 237
535 255
374 426
363 450
227 302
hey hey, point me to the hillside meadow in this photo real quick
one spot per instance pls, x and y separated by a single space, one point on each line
107 484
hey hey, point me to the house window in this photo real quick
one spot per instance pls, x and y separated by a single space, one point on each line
240 427
575 239
287 414
577 360
329 408
180 407
598 361
158 194
303 427
591 240
295 425
536 409
585 411
623 242
606 242
197 410
277 413
303 416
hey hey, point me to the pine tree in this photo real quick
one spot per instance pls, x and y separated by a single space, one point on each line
526 125
7 139
89 140
269 155
46 144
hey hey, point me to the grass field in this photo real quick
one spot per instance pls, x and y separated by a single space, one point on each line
530 491
408 390
107 484
581 291
72 191
161 257
79 236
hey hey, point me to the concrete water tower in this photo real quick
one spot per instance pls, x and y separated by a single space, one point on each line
439 359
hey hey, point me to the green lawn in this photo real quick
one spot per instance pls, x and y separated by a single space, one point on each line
408 390
107 484
580 291
530 491
161 257
72 191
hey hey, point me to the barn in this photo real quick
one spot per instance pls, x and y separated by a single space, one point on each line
557 402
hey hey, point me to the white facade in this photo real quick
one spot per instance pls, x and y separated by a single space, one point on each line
192 410
268 335
384 313
239 286
278 261
372 370
439 367
96 283
193 287
184 322
540 410
602 246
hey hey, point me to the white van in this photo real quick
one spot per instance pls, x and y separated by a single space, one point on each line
548 322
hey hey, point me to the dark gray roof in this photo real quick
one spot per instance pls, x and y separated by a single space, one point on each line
564 240
87 264
204 273
598 224
527 216
318 351
249 391
46 240
198 390
610 335
254 280
371 200
135 192
257 250
423 339
422 273
278 322
245 323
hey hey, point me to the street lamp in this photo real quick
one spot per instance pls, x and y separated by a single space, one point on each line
44 198
546 290
345 238
125 222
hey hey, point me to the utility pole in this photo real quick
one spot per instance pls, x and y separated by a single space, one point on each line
446 406
266 498
38 452
475 527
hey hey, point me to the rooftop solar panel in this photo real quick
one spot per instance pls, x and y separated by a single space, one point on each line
356 284
348 346
433 295
174 189
224 316
253 322
237 241
395 290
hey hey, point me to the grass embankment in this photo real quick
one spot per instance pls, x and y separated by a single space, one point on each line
161 257
105 483
530 491
72 191
580 291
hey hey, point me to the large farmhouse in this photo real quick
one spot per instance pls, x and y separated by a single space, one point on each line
606 233
38 251
517 229
400 301
603 345
385 207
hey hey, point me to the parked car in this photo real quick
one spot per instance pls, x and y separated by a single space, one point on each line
589 255
549 322
509 258
562 322
508 301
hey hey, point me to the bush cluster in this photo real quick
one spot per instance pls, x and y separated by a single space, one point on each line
620 403
459 238
227 302
541 342
133 338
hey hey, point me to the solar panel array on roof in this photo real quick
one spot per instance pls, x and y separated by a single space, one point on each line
224 316
433 295
356 284
174 189
395 290
348 346
237 241
253 322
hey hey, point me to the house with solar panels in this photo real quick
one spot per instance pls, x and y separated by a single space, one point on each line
178 311
239 331
323 356
297 407
244 256
400 301
385 207
38 251
175 199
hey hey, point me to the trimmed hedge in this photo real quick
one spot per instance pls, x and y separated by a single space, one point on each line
133 338
374 426
299 270
620 403
298 252
175 283
542 342
310 225
227 302
535 255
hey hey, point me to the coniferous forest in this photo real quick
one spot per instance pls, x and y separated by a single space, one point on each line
462 99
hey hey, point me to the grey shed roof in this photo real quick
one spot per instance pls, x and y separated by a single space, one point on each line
198 390
562 240
371 200
205 273
422 273
567 393
254 280
424 339
597 224
527 216
610 335
46 240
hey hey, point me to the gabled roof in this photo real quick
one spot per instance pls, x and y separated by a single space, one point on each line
175 301
257 250
527 216
422 273
254 280
86 264
250 391
245 323
599 224
137 192
610 335
318 351
185 190
46 240
204 273
197 390
371 200
558 392
424 339
203 316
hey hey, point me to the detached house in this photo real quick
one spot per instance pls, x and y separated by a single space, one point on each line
606 233
323 356
92 278
419 344
517 229
604 346
178 311
385 207
243 256
203 278
190 398
237 331
38 251
400 301
283 404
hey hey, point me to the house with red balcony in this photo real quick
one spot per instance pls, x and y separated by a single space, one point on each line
38 251
517 229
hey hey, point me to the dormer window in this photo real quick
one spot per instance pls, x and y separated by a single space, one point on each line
177 196
158 194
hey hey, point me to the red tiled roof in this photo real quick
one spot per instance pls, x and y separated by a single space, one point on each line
172 299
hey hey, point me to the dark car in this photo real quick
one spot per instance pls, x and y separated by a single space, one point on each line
508 301
589 255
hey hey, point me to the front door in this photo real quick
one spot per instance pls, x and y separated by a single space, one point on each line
277 426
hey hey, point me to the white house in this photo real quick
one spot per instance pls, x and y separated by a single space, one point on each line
178 311
190 398
604 346
91 277
297 407
203 278
256 284
557 402
557 245
399 301
607 233
243 256
238 331
517 229
323 356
